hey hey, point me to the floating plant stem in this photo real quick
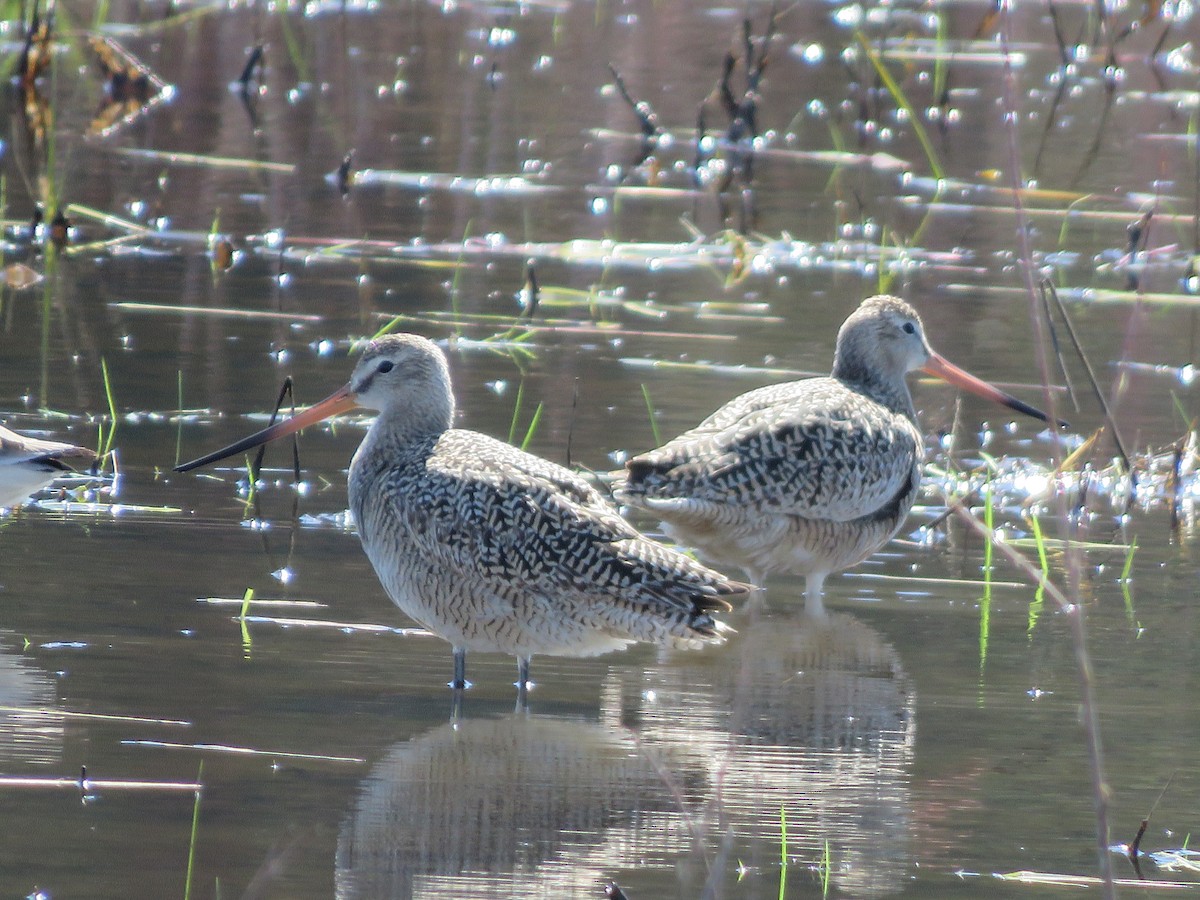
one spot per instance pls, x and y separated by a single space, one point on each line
653 419
191 864
212 162
213 311
247 641
898 95
825 870
108 219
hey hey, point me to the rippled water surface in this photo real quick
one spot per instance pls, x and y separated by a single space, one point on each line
922 740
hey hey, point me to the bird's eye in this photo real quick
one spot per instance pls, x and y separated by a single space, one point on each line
385 366
910 328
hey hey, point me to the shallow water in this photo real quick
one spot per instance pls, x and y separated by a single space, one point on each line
918 743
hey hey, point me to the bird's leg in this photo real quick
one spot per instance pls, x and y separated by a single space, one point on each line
460 682
523 683
814 590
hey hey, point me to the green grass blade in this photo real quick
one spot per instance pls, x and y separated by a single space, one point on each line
247 641
783 856
1039 598
112 408
516 413
533 424
653 421
1128 567
897 93
191 865
985 605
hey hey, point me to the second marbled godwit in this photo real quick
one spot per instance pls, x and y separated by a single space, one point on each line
489 547
810 476
28 464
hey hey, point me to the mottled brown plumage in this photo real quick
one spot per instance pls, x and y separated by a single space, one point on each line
492 548
810 476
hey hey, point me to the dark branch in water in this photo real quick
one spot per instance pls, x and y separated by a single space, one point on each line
698 158
726 92
571 420
1137 841
531 293
254 63
1138 232
647 117
1058 354
1047 288
36 53
1059 37
343 174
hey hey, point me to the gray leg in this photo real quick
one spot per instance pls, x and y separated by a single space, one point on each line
523 682
814 602
460 682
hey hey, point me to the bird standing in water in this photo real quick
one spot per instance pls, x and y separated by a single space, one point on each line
28 464
492 548
811 476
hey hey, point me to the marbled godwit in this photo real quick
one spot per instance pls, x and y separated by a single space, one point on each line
810 476
491 548
27 464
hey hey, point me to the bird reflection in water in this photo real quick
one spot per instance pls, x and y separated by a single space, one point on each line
522 806
811 716
687 770
31 724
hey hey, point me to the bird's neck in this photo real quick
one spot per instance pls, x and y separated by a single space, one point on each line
891 392
398 428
